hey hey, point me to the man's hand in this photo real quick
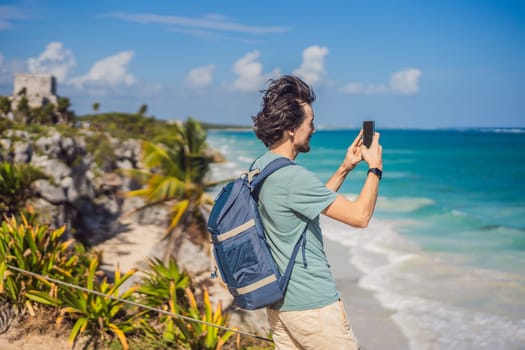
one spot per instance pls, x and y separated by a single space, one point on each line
353 153
373 155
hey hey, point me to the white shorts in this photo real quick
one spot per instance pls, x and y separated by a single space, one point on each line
323 328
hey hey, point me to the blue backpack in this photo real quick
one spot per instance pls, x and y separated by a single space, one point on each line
241 252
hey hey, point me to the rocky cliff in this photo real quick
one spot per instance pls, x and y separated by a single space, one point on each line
81 193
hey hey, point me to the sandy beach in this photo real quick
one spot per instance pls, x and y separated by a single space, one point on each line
370 321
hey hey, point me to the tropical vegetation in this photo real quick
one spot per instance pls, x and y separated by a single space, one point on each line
16 187
40 270
45 273
177 175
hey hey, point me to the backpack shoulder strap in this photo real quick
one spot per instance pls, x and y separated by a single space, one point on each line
301 242
285 278
274 165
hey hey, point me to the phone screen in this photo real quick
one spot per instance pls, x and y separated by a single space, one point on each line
368 132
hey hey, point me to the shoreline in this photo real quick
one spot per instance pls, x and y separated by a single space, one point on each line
367 316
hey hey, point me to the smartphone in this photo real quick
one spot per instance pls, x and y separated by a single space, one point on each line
368 132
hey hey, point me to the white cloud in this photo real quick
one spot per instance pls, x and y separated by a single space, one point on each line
368 89
108 72
312 69
8 14
200 77
405 82
250 73
208 22
213 36
55 60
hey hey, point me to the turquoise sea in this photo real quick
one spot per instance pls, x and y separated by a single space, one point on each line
445 249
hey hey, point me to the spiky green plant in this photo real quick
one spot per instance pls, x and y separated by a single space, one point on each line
99 315
205 335
167 288
158 280
37 249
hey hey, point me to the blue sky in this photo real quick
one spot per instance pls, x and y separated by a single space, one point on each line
409 64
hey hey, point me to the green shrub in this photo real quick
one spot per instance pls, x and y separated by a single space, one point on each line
159 279
168 289
96 314
97 308
163 287
15 186
42 251
204 335
5 124
37 249
99 145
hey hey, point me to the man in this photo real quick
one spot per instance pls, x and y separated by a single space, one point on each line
311 316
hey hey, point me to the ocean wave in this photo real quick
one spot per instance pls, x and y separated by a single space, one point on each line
456 212
244 159
504 130
397 204
222 171
402 204
483 129
436 301
397 175
434 325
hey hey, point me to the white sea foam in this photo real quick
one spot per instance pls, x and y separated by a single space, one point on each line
223 171
397 175
244 159
505 130
437 302
402 204
456 212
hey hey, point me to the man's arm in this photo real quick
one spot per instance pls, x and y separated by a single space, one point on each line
359 212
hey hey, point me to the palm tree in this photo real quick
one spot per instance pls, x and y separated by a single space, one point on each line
142 110
176 176
95 106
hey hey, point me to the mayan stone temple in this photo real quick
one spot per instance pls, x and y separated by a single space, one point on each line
39 89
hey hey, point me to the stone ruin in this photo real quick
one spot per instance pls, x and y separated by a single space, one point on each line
39 89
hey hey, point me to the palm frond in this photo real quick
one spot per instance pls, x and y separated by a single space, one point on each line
178 211
165 160
143 192
165 188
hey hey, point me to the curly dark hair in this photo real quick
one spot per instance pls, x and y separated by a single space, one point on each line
281 108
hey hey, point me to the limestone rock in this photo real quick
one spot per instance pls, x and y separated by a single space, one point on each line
23 151
49 145
53 193
53 167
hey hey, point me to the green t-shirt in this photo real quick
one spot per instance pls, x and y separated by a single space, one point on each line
290 199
